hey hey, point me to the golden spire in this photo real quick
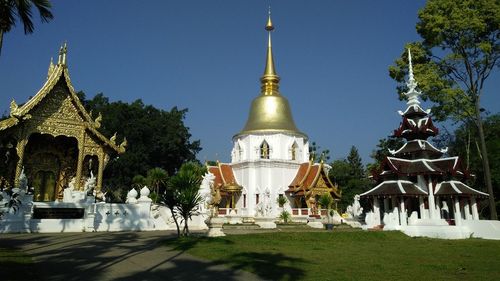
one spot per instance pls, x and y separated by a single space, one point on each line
270 80
270 111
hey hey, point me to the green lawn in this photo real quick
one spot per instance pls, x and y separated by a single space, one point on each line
355 255
15 265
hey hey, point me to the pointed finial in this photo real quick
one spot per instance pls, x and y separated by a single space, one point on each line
412 93
59 58
65 51
51 67
13 108
270 80
269 25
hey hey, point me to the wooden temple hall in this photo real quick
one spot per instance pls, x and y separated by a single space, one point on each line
54 139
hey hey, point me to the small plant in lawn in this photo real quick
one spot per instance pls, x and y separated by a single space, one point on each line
285 217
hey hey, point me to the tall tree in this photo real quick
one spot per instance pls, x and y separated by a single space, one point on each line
156 138
382 150
355 163
317 154
349 174
465 144
10 10
460 49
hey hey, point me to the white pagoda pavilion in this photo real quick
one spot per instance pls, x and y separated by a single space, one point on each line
420 192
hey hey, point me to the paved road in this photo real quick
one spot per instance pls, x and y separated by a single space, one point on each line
115 256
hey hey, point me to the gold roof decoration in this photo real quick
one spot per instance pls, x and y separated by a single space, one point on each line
56 72
270 111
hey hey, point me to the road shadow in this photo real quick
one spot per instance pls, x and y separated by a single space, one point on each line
82 256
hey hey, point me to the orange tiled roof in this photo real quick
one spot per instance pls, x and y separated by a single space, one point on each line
307 178
224 175
301 173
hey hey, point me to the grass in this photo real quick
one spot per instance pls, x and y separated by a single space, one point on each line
349 256
15 265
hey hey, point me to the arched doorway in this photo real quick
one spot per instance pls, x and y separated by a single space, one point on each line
50 164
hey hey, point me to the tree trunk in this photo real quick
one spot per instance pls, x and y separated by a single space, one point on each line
186 229
486 163
176 223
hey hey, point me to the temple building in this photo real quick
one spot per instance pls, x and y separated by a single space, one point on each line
270 158
53 139
418 190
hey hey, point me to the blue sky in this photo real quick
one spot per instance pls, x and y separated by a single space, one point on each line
208 56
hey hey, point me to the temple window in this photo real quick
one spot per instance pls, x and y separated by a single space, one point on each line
257 198
264 150
244 200
239 151
294 150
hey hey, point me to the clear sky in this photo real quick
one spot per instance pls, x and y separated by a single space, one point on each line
208 56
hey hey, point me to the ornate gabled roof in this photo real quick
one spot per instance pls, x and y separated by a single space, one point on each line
418 148
395 187
56 73
457 188
224 177
311 176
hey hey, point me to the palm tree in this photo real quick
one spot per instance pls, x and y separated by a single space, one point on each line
12 9
184 187
156 177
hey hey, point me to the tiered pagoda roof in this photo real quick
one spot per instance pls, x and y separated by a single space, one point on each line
398 173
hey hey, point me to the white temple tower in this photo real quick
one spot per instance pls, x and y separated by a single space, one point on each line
270 157
269 150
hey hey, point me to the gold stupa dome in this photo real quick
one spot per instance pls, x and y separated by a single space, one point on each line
270 111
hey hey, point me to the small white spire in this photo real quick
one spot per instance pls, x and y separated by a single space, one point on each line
412 93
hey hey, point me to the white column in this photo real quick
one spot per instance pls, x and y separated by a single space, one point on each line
439 215
395 207
475 214
456 210
422 207
432 204
468 215
402 212
376 210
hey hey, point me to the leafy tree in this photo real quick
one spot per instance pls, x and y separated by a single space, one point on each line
156 138
340 173
12 9
459 50
465 144
382 150
184 187
156 178
356 165
317 154
350 175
